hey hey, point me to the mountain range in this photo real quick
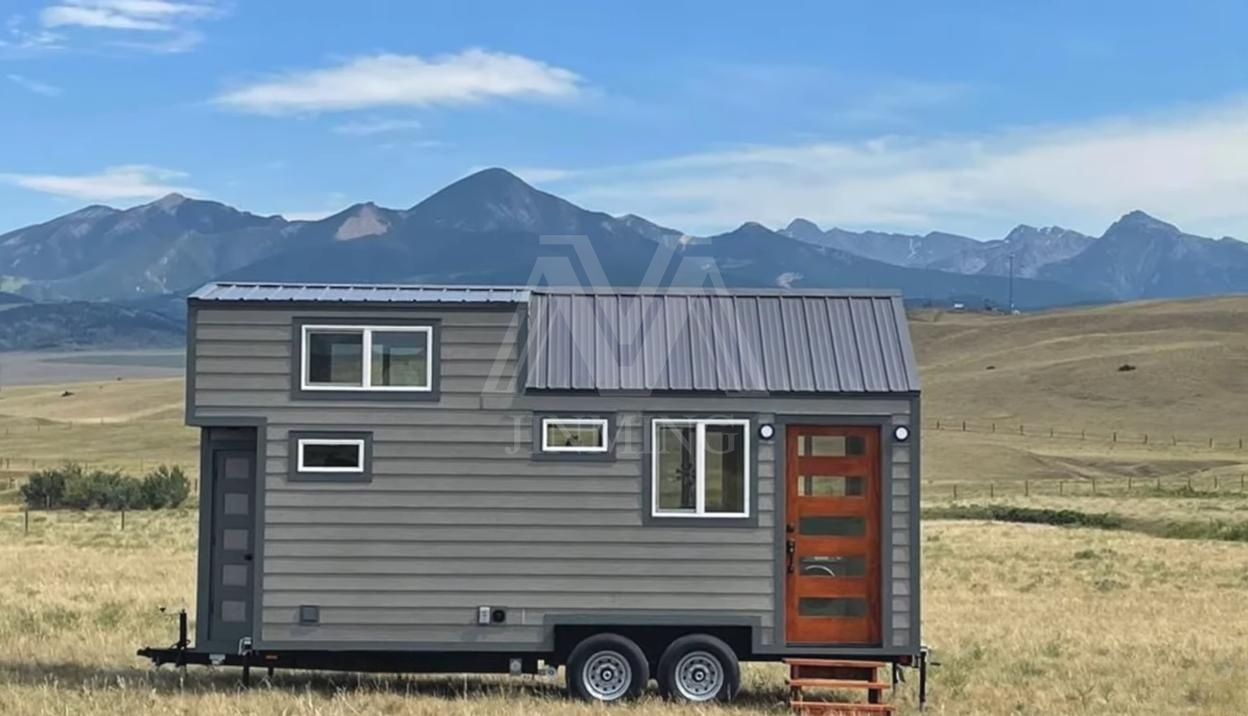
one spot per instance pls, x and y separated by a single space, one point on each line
492 227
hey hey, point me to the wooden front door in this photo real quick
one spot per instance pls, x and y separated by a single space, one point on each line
832 531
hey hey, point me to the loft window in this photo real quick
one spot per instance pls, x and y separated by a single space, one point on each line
372 358
329 455
574 435
700 468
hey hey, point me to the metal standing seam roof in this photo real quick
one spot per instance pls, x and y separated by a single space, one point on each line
359 293
744 341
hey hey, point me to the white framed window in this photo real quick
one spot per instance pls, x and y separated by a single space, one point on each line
330 455
574 435
700 467
367 358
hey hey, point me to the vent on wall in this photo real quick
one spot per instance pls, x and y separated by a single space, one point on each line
309 614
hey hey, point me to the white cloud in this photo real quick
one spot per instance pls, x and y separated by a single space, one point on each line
389 80
172 22
131 181
377 126
1190 168
146 15
35 86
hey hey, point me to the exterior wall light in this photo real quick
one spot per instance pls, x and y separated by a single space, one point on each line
766 431
901 433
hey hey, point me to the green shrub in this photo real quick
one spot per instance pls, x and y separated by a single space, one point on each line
71 486
166 486
46 488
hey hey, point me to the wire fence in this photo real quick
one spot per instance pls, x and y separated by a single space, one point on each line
1126 437
1168 486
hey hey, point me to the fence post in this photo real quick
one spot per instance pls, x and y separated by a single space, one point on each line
1026 489
123 520
955 491
1050 432
992 489
1215 483
1241 441
938 424
1020 429
1159 484
1115 436
1129 484
994 427
1094 486
26 520
1145 438
1189 482
1061 487
1210 442
1083 434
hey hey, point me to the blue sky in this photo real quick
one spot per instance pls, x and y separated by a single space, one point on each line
959 116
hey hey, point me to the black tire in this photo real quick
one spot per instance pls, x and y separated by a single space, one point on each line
699 655
594 665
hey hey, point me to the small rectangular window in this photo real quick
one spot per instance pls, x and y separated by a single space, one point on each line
700 468
829 486
330 455
834 566
367 358
854 607
821 526
574 435
830 445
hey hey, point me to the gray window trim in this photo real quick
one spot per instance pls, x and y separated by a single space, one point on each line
541 455
297 391
647 473
293 473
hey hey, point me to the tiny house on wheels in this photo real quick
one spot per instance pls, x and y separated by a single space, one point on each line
628 483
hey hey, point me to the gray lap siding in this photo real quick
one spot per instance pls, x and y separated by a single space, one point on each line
457 513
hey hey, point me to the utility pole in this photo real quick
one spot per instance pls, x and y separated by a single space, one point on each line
1011 283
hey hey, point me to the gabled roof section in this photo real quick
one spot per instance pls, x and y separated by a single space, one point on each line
733 341
359 293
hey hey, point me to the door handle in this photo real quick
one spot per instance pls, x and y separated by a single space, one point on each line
247 558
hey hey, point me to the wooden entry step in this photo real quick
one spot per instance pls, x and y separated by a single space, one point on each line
837 674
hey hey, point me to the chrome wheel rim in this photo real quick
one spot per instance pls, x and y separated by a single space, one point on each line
607 675
699 676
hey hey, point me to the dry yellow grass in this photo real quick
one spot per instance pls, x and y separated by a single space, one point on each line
1026 620
132 424
1060 370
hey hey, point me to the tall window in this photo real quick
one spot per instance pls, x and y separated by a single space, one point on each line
700 468
396 358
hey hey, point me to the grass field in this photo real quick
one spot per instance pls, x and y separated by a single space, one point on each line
1025 618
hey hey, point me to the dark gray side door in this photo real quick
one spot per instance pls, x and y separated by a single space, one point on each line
232 545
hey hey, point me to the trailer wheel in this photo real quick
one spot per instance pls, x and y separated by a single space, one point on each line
698 668
607 667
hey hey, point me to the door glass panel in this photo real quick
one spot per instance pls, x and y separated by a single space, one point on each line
233 611
834 566
725 468
829 486
677 480
832 607
236 540
234 575
237 468
830 445
236 503
830 526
